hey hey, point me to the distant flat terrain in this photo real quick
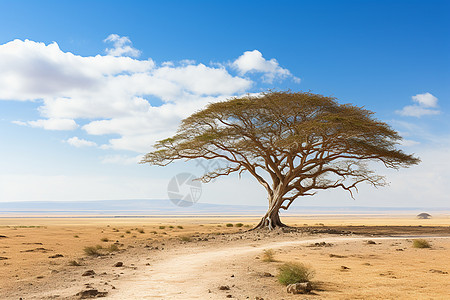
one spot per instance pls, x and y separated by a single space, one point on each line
190 257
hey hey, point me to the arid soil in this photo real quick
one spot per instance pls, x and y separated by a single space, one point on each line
191 258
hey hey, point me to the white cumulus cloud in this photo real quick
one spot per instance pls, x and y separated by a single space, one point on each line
425 100
122 46
426 106
254 62
135 100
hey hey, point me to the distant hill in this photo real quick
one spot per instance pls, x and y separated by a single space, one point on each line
143 207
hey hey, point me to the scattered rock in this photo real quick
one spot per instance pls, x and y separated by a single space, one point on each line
344 268
232 275
388 273
3 236
118 264
299 288
438 271
91 293
56 256
88 273
337 256
37 250
229 296
224 288
267 274
370 242
258 298
399 249
3 258
321 244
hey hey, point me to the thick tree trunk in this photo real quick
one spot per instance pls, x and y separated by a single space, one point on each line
271 219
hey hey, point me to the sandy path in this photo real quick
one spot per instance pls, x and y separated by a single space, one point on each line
190 272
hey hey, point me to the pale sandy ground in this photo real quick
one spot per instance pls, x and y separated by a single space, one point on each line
195 269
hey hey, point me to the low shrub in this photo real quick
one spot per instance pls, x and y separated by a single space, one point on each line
239 225
294 272
185 238
180 227
162 227
229 225
141 230
112 248
105 239
268 255
93 250
421 243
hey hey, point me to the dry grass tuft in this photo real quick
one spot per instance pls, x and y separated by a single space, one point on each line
93 250
421 243
185 238
268 255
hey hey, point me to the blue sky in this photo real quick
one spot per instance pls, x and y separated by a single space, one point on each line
86 87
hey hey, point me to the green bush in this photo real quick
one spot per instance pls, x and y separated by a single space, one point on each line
239 225
294 272
162 227
229 225
180 227
421 243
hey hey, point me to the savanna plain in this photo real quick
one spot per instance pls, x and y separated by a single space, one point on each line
347 257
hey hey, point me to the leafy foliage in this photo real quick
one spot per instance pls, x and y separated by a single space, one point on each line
294 272
304 142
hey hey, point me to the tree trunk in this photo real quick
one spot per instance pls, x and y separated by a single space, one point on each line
271 219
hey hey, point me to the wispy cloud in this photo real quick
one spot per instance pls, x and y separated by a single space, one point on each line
77 142
50 124
121 159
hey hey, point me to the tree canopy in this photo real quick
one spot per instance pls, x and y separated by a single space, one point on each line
293 143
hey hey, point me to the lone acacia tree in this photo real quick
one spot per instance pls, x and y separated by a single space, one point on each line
294 144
